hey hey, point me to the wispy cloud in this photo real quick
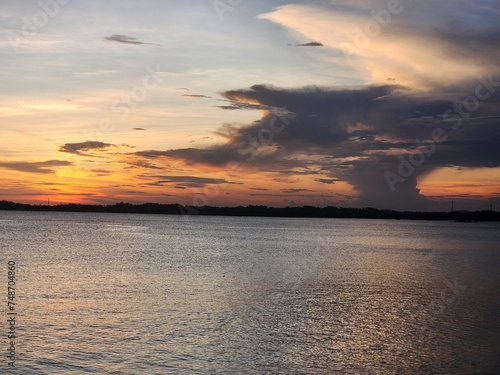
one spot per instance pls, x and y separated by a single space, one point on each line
296 190
36 167
77 148
99 172
184 181
310 44
194 96
139 164
118 38
328 181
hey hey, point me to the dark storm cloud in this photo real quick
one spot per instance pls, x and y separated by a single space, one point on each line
215 156
118 38
237 105
35 167
357 134
76 148
310 101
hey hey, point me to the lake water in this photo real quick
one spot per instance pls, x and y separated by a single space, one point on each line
144 294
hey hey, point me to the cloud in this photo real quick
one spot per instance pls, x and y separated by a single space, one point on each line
237 105
310 44
137 164
184 181
118 38
381 41
215 156
138 129
328 181
99 172
293 191
76 148
354 135
36 167
76 194
194 96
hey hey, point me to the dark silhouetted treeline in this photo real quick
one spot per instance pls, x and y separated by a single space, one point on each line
252 210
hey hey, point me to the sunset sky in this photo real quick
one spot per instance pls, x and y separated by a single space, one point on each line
353 103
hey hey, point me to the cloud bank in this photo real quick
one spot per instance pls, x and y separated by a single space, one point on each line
356 135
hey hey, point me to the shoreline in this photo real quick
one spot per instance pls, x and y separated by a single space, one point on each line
259 211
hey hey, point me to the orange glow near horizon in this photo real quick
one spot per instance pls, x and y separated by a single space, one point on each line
479 183
112 180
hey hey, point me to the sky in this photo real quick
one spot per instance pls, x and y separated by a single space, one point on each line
392 104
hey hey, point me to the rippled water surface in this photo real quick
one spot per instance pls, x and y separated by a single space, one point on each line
147 294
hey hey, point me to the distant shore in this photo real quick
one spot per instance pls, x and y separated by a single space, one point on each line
253 210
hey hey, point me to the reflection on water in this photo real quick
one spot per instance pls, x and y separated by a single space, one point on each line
145 294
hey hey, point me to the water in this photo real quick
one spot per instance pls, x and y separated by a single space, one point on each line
146 294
